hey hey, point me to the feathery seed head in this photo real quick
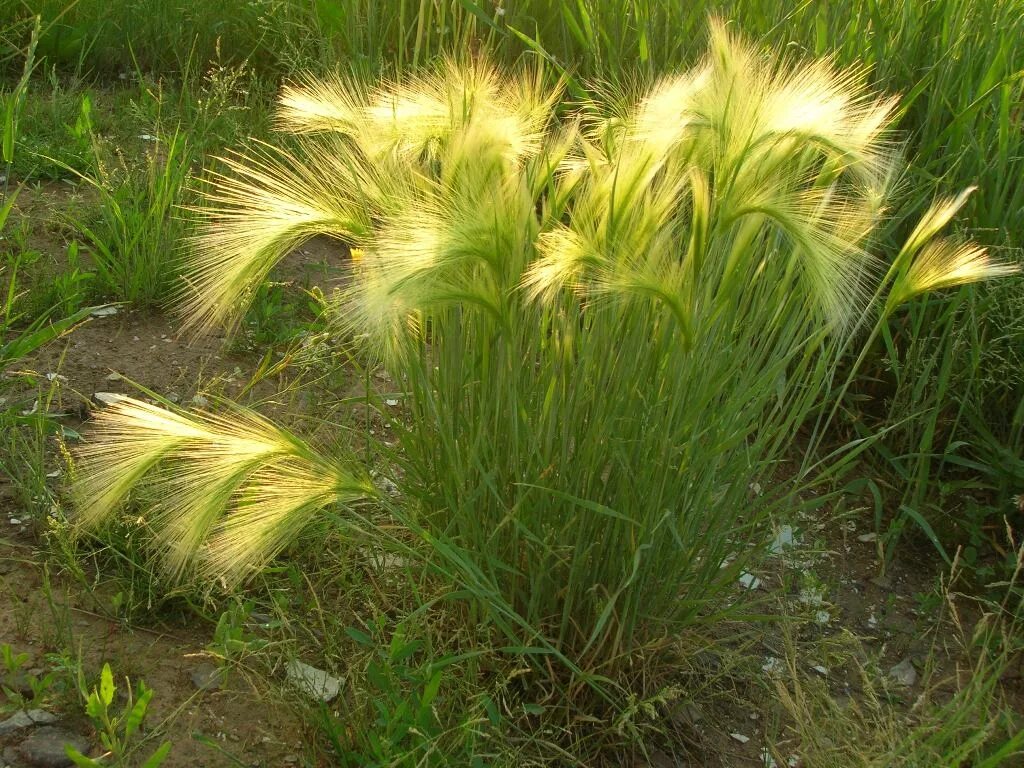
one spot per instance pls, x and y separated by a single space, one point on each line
941 264
204 469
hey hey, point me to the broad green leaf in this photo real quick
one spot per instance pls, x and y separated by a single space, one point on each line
159 756
107 688
79 759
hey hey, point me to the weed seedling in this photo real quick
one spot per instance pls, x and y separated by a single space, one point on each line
117 730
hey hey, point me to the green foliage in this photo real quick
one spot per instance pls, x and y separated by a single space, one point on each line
232 639
134 243
117 730
404 728
56 130
14 671
604 333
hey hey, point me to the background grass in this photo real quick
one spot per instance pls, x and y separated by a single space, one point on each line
949 368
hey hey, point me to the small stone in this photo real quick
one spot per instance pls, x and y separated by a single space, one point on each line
56 377
739 737
208 677
783 539
867 538
904 673
314 682
391 402
104 312
113 376
20 720
823 671
199 401
15 521
749 581
106 398
45 747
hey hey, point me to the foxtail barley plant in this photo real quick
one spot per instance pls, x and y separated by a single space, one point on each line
608 329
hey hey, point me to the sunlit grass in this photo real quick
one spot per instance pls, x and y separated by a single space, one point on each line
606 328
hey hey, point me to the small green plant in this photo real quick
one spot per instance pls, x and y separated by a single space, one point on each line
117 730
232 640
16 678
134 242
403 727
278 317
72 286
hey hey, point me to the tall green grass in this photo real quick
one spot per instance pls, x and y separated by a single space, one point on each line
136 238
603 331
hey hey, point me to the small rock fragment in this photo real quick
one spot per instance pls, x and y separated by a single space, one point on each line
115 376
783 539
823 671
45 747
867 538
208 677
739 737
106 398
23 719
904 673
749 580
312 681
104 312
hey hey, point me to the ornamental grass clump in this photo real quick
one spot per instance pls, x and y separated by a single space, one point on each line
607 330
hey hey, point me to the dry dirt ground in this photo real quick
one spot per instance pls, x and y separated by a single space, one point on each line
47 617
54 618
